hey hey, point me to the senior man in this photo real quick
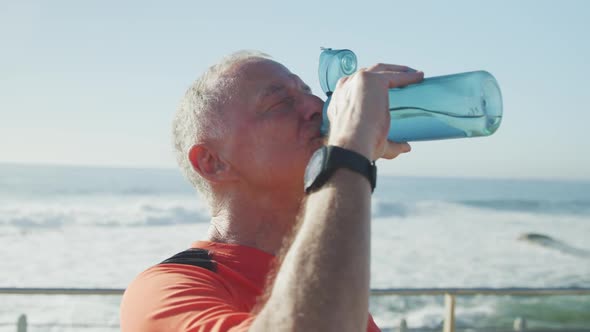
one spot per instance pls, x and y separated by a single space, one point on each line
280 255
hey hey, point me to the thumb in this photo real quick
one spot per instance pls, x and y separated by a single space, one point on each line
393 149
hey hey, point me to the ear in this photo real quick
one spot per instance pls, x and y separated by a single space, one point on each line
209 164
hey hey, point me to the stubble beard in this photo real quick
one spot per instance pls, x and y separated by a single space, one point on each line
281 254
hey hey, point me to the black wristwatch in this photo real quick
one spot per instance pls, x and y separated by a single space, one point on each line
328 159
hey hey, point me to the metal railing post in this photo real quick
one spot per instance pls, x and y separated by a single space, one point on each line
449 325
403 325
519 324
21 324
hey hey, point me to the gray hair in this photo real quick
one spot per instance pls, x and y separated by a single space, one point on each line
199 116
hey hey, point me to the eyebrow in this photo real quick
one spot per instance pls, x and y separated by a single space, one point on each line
275 89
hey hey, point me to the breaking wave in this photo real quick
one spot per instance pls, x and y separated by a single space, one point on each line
141 210
130 213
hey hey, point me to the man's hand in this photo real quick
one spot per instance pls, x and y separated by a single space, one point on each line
359 110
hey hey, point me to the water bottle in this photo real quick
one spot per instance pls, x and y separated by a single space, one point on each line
452 106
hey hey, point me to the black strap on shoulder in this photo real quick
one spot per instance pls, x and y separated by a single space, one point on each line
193 256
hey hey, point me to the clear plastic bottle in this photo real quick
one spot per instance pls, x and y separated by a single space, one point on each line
451 106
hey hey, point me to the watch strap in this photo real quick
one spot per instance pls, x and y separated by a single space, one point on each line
337 157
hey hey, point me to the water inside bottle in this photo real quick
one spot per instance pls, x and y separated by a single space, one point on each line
418 124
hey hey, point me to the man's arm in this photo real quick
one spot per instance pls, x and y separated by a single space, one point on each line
323 282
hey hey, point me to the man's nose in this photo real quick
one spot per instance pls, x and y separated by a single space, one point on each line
312 106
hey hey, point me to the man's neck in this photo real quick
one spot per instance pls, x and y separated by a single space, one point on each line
264 222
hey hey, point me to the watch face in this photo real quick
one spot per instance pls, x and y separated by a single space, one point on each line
314 167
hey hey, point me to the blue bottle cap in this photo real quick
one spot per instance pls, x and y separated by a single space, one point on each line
335 64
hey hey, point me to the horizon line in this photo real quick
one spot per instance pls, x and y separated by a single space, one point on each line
176 168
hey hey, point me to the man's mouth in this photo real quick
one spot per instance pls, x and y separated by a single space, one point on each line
319 133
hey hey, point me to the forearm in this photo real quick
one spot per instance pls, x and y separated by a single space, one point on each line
323 283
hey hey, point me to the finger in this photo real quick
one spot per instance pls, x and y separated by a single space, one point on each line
391 67
393 149
341 81
397 80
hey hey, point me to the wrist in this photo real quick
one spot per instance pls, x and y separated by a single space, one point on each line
357 146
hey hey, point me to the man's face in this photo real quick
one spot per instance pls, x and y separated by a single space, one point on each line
274 126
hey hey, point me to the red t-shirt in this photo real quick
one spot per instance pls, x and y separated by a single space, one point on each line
210 287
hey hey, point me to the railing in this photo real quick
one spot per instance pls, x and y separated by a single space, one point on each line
451 293
448 293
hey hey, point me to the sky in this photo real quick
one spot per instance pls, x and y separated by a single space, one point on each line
98 82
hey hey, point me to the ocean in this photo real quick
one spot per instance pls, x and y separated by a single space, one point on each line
99 227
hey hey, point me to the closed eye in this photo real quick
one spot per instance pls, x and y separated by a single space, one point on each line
285 104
